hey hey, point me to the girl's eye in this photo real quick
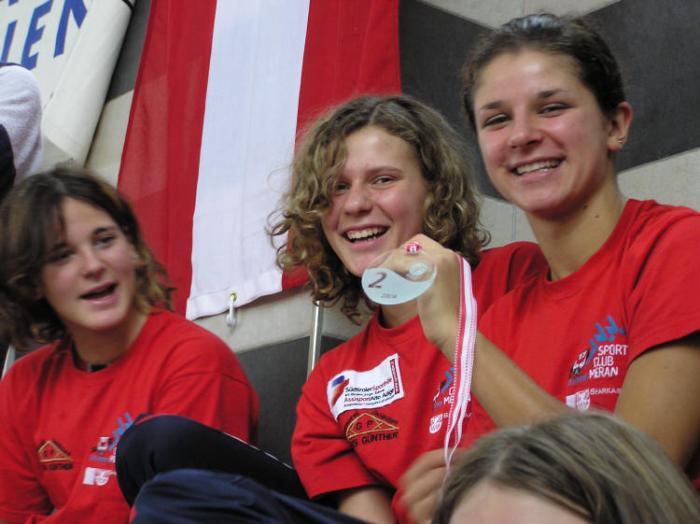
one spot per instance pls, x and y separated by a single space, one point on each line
553 109
494 120
383 179
105 240
58 256
339 187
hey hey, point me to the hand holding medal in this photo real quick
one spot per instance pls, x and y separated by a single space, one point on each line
399 276
405 273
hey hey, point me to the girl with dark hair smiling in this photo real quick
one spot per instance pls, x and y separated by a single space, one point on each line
76 275
613 323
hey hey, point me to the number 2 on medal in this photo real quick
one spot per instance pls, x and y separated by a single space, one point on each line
381 276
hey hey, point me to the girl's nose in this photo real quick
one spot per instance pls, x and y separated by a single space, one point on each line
358 199
524 132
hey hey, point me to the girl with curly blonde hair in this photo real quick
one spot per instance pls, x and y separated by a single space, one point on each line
449 210
373 175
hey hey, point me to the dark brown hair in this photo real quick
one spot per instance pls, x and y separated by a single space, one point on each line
29 217
572 37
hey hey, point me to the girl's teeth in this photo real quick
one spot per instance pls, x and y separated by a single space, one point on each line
545 164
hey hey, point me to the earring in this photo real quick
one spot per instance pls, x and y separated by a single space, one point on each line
621 140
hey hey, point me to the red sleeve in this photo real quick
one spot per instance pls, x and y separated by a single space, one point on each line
663 304
203 380
322 455
21 495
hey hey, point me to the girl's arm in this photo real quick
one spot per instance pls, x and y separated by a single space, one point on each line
660 396
369 503
507 393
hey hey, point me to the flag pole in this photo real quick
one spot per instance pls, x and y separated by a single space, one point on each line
315 339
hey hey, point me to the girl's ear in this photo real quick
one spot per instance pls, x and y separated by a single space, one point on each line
618 126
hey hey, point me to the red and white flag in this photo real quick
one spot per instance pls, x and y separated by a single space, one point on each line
222 91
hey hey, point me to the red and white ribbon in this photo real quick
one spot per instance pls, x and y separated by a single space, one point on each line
464 363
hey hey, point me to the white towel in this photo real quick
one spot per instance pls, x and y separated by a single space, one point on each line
20 115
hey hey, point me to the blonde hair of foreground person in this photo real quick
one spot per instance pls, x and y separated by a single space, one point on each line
593 465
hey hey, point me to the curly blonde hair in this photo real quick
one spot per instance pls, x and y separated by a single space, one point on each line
29 217
450 214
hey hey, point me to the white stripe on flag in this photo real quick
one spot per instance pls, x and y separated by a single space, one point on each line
247 144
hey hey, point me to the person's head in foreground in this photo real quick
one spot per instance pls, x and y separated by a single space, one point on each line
73 264
574 469
545 97
368 176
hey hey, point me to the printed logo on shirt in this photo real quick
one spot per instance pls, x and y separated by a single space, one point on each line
436 422
97 476
442 400
104 444
580 400
444 391
53 456
105 450
580 363
106 447
370 389
367 428
606 353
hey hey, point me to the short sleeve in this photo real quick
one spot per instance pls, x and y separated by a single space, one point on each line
663 303
204 380
21 494
322 455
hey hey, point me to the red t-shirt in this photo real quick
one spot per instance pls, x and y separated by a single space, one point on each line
60 426
380 400
577 336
